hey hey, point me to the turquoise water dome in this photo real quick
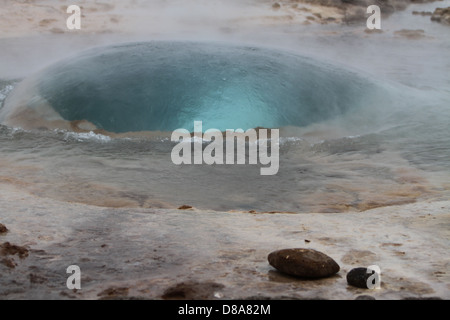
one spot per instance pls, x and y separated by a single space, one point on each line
168 85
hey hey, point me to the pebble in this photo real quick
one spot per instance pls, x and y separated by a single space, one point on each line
357 277
441 15
3 228
12 249
305 263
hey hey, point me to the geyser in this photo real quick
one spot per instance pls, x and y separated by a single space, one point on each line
162 86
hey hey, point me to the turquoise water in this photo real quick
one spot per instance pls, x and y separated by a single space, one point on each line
168 85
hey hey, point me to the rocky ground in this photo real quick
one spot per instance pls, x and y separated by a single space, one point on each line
349 11
18 18
441 15
193 254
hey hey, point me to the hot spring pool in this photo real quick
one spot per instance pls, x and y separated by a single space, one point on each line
95 129
162 86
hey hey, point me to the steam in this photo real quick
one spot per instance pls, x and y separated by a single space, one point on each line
34 35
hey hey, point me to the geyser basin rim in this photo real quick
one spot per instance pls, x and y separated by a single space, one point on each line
163 86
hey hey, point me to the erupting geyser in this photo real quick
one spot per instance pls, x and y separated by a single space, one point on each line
162 86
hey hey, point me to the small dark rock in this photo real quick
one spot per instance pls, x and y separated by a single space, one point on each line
192 291
441 15
184 207
358 277
8 262
306 263
12 249
114 292
36 278
3 229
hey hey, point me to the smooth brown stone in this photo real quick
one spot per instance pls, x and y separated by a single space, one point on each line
305 263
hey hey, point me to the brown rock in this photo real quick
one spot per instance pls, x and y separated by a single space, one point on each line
36 278
411 34
12 249
184 207
114 292
8 262
306 263
192 290
3 229
441 15
46 22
